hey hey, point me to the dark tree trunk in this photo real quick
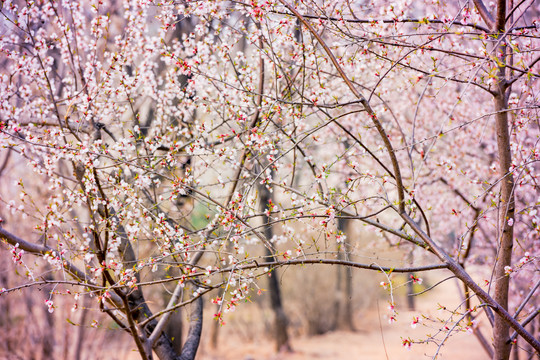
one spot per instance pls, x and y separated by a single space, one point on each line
515 350
5 305
193 339
174 330
280 320
343 314
48 331
82 330
174 327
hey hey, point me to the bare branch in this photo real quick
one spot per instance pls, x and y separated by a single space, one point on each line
484 13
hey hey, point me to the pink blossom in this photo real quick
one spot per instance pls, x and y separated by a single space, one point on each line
50 305
407 344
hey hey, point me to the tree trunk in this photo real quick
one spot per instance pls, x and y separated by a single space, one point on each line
174 327
48 331
81 333
189 350
174 330
515 351
529 350
280 320
5 320
506 237
343 315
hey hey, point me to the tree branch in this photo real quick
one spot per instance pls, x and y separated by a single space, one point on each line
465 277
484 13
38 249
365 104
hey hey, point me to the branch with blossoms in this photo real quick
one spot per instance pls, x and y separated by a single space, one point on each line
441 254
118 298
168 144
34 248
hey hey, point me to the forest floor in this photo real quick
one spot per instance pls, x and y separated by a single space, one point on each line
246 336
361 344
374 338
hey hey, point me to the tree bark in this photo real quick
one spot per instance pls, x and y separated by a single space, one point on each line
506 213
174 330
343 315
189 350
82 330
48 331
280 318
504 256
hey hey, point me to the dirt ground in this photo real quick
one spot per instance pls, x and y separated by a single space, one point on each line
345 345
245 338
374 338
371 344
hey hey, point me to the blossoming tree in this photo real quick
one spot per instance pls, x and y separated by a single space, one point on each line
137 136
